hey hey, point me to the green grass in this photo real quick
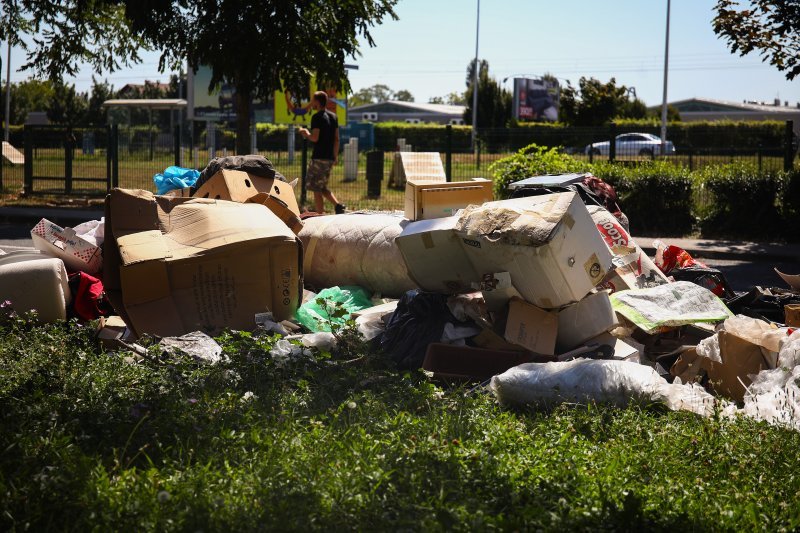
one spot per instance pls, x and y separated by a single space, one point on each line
327 442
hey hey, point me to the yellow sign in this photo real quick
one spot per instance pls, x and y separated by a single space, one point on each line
296 108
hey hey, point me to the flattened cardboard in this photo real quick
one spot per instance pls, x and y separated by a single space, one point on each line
77 253
568 262
492 341
416 165
531 327
740 360
622 350
176 265
113 333
427 199
434 257
583 320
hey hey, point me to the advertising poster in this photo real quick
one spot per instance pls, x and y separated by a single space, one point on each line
536 99
296 108
217 105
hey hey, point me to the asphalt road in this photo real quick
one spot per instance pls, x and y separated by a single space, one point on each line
741 275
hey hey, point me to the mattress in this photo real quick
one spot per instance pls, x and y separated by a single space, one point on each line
355 249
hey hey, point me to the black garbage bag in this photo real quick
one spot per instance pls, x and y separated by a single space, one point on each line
418 321
257 165
763 304
710 278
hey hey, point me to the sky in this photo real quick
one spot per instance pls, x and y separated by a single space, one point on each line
428 49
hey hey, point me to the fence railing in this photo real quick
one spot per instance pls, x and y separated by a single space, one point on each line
90 161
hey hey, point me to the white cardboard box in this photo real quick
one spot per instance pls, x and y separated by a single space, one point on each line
435 259
549 244
584 320
531 327
63 243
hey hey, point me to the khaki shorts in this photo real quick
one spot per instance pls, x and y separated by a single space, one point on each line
319 171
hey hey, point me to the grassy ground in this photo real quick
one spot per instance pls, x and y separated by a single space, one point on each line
91 441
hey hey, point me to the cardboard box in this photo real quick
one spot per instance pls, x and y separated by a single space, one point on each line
497 290
416 165
741 359
583 320
113 333
531 327
434 256
281 209
63 243
549 244
242 187
487 338
183 192
427 199
176 265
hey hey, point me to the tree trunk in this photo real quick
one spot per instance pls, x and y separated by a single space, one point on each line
242 101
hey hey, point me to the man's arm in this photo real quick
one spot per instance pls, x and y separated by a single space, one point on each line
336 146
312 135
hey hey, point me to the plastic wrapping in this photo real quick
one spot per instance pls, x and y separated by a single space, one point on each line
317 318
774 396
584 381
175 178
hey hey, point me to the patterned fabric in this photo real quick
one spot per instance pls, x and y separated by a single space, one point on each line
319 170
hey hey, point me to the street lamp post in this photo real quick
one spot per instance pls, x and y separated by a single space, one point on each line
475 82
664 99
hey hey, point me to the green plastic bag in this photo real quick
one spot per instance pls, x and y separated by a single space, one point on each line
350 298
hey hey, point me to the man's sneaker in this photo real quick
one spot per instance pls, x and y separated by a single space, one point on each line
339 209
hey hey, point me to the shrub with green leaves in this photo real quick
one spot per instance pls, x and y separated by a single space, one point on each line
655 195
742 202
533 160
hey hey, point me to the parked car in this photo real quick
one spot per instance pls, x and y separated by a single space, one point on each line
628 144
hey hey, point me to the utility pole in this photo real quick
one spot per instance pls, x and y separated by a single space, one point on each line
8 90
475 82
664 100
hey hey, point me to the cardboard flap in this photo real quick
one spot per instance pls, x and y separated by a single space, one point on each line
132 210
142 246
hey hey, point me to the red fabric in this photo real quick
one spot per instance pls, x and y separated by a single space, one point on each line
605 193
88 298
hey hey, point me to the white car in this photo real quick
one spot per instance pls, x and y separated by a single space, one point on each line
628 144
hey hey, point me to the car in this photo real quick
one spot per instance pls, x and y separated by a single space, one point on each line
628 144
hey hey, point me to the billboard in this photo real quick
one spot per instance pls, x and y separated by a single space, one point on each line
217 105
296 108
536 99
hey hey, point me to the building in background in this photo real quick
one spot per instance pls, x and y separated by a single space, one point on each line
411 112
697 109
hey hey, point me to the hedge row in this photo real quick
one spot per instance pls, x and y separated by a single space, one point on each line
661 199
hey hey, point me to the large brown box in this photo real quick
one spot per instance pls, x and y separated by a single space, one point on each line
175 265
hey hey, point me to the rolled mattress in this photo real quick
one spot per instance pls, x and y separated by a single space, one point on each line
31 280
355 249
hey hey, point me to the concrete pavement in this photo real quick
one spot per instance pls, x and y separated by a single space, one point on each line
700 248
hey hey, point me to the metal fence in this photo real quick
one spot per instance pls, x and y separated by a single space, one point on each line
88 161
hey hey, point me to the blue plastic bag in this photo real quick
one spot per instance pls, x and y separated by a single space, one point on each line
175 178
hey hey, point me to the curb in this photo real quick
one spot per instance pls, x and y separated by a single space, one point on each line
63 216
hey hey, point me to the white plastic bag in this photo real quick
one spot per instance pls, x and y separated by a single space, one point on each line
774 397
585 380
789 355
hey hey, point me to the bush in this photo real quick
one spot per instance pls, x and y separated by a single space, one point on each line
790 203
741 202
533 160
656 196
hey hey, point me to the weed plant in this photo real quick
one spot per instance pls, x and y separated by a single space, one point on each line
110 441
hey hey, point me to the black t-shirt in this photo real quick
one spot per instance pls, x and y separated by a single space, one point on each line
327 124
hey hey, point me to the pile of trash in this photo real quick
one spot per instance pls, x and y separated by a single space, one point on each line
542 298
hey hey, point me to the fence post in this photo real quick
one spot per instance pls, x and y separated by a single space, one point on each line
448 153
177 147
788 154
27 187
691 159
115 160
759 154
612 143
303 171
68 155
109 153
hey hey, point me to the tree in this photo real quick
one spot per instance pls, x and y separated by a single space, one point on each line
453 98
494 102
27 96
255 46
378 93
97 114
403 96
595 103
771 27
67 106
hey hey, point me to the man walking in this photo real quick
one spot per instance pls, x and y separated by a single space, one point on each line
325 136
